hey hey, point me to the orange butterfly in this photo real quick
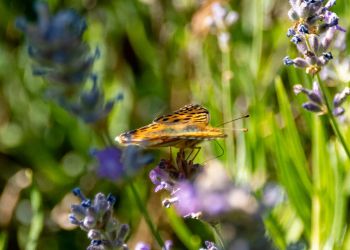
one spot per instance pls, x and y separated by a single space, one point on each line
184 128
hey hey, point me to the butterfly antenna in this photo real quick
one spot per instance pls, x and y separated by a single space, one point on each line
238 118
218 156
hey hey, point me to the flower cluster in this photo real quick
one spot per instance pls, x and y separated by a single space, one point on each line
315 28
207 193
62 58
198 193
215 17
96 218
167 174
313 31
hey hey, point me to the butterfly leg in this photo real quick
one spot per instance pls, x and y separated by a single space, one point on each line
195 155
171 154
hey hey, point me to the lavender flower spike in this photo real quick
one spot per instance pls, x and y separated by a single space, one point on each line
56 46
96 218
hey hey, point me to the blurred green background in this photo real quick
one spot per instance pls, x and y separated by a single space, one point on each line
151 52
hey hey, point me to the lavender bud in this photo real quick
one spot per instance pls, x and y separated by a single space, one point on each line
290 32
293 15
339 98
327 55
123 232
86 203
302 47
168 202
101 204
287 61
89 221
296 39
77 192
314 42
111 199
74 220
314 96
96 242
300 62
78 210
210 245
94 234
310 106
328 38
330 4
338 111
298 88
303 29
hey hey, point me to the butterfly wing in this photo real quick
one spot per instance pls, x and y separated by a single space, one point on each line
190 114
183 128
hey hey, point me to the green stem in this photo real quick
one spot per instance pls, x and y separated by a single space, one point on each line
146 215
331 116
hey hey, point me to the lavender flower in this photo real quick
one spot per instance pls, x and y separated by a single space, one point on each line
55 44
316 102
209 246
195 193
338 100
167 175
115 164
96 218
90 106
313 31
61 57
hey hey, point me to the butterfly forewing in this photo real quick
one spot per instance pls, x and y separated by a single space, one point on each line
191 114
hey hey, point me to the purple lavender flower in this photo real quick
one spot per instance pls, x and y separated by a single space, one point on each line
96 218
200 194
166 175
209 246
115 164
313 31
110 164
338 100
61 57
90 106
55 44
316 103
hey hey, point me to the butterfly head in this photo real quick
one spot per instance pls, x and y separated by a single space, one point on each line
124 138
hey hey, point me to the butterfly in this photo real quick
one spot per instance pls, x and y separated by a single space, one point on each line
184 128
